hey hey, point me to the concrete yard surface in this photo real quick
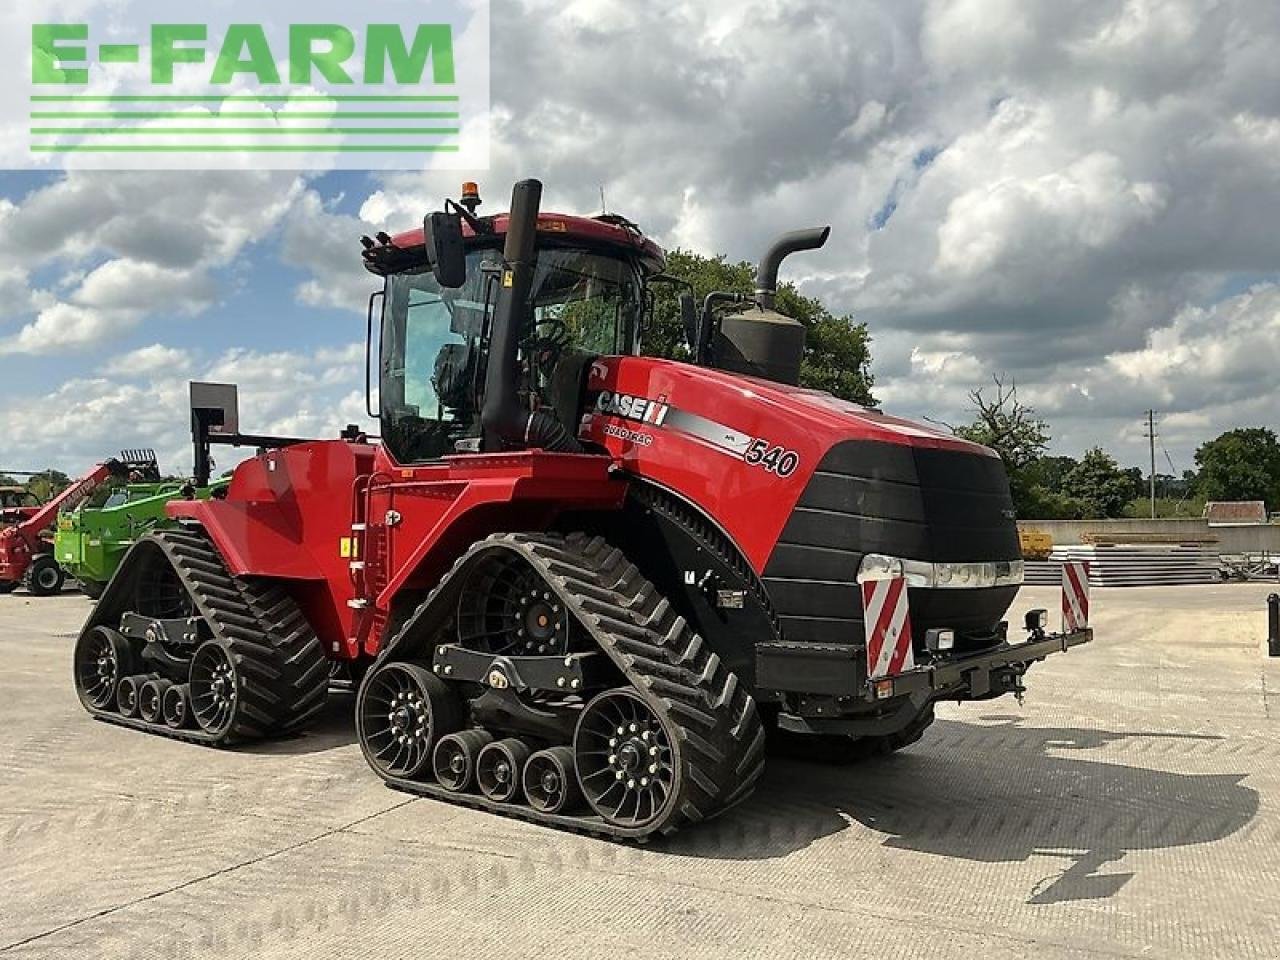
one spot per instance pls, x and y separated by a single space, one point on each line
1130 808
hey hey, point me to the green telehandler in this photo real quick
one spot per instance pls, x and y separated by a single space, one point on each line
91 540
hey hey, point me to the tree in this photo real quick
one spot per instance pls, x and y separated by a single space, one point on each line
837 350
1098 482
1242 464
1012 430
49 484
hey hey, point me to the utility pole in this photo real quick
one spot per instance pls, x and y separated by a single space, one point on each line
1151 436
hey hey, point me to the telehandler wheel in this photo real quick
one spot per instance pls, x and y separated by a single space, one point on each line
151 699
550 783
102 657
402 711
45 577
454 759
627 759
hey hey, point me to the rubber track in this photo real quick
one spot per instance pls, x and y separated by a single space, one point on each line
719 736
283 670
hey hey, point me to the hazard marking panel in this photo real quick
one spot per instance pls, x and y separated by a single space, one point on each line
1075 596
888 627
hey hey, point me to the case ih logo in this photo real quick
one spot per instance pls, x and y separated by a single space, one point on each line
123 85
632 408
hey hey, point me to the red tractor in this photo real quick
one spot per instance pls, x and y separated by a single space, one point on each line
580 582
26 548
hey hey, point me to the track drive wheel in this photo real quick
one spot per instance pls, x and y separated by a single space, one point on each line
175 708
102 657
499 768
215 688
550 783
402 711
454 759
45 577
151 699
627 760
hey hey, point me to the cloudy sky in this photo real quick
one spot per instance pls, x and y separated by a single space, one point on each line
1083 196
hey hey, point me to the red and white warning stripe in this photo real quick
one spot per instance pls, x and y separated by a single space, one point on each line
888 627
1075 596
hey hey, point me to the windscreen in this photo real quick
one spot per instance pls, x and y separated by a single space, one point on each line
582 305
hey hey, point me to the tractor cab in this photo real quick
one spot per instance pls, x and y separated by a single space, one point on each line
586 299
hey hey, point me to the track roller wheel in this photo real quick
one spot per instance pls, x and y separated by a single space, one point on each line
102 657
550 783
45 577
214 688
401 713
151 699
175 706
498 769
626 759
454 759
128 694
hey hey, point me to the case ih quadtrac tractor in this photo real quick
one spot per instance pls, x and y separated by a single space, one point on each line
587 579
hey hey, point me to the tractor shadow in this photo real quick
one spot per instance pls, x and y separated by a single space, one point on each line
333 729
990 794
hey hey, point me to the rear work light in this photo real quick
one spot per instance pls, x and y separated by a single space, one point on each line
946 576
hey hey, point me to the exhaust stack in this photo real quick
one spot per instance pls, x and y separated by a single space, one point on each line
760 342
505 422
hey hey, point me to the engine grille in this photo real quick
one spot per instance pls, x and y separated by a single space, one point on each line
912 502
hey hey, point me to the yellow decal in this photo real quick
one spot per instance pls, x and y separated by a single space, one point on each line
508 278
554 226
344 548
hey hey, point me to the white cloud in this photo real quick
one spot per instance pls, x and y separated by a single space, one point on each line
148 361
142 402
1058 192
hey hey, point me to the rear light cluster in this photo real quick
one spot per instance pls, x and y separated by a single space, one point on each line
921 573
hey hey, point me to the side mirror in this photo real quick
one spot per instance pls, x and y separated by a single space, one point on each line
689 320
442 233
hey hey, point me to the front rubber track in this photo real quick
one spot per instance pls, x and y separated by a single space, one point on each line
280 661
719 736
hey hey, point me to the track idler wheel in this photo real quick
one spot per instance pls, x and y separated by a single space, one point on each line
626 759
175 706
214 688
102 657
129 694
498 769
401 713
454 760
550 781
151 699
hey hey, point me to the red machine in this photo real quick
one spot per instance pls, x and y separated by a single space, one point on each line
580 582
26 551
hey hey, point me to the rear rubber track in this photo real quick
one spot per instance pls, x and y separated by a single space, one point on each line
283 670
715 719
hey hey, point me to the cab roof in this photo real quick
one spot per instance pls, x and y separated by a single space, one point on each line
409 248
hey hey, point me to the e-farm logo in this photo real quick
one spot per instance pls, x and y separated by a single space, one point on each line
405 87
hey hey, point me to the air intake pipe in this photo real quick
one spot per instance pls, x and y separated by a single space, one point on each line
759 341
783 247
504 421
